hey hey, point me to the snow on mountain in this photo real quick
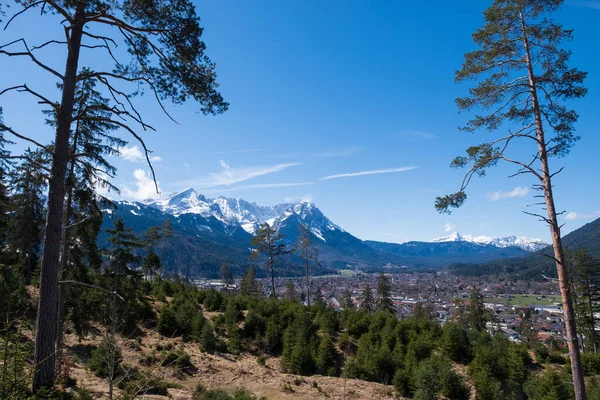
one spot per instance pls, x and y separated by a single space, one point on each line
306 213
525 243
234 213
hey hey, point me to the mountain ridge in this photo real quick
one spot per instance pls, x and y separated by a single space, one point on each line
525 243
210 231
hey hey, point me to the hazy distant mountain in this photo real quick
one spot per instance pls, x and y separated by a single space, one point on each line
524 243
442 253
210 231
536 265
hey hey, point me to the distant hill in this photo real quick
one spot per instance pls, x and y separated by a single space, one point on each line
535 265
444 253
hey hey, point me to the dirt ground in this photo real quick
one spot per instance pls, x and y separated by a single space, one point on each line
219 371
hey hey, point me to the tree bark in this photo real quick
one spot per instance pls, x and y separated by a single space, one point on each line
271 263
559 253
64 255
46 326
307 281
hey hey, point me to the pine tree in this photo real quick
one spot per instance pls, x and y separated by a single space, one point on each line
226 274
476 310
122 243
208 340
152 263
325 359
367 301
586 272
122 262
346 301
290 291
308 253
249 286
5 206
384 295
267 241
166 57
26 222
88 168
167 234
319 301
522 80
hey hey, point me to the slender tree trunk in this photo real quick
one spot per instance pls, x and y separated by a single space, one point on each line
559 253
113 330
46 326
271 264
307 281
64 255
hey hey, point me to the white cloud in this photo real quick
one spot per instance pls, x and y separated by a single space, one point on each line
516 192
187 166
448 227
145 187
307 198
135 154
372 172
231 175
574 216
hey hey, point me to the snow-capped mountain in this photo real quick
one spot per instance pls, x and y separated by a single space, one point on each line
209 231
229 211
525 243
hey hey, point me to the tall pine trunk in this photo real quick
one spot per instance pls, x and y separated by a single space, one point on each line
64 254
47 321
307 281
272 263
559 253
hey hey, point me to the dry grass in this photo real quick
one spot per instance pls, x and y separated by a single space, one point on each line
221 371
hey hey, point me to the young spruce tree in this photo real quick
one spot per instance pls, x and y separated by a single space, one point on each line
267 241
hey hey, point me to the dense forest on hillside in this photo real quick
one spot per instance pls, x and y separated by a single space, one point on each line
416 357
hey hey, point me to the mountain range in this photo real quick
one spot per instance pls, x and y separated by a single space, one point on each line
536 265
210 231
524 243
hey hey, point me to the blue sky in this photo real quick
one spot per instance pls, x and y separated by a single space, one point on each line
347 103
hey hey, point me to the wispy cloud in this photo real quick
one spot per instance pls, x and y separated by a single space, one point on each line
219 153
448 227
587 4
135 154
259 186
574 216
145 188
229 175
187 166
371 172
424 135
516 192
334 153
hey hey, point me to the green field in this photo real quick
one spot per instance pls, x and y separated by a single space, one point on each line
525 300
